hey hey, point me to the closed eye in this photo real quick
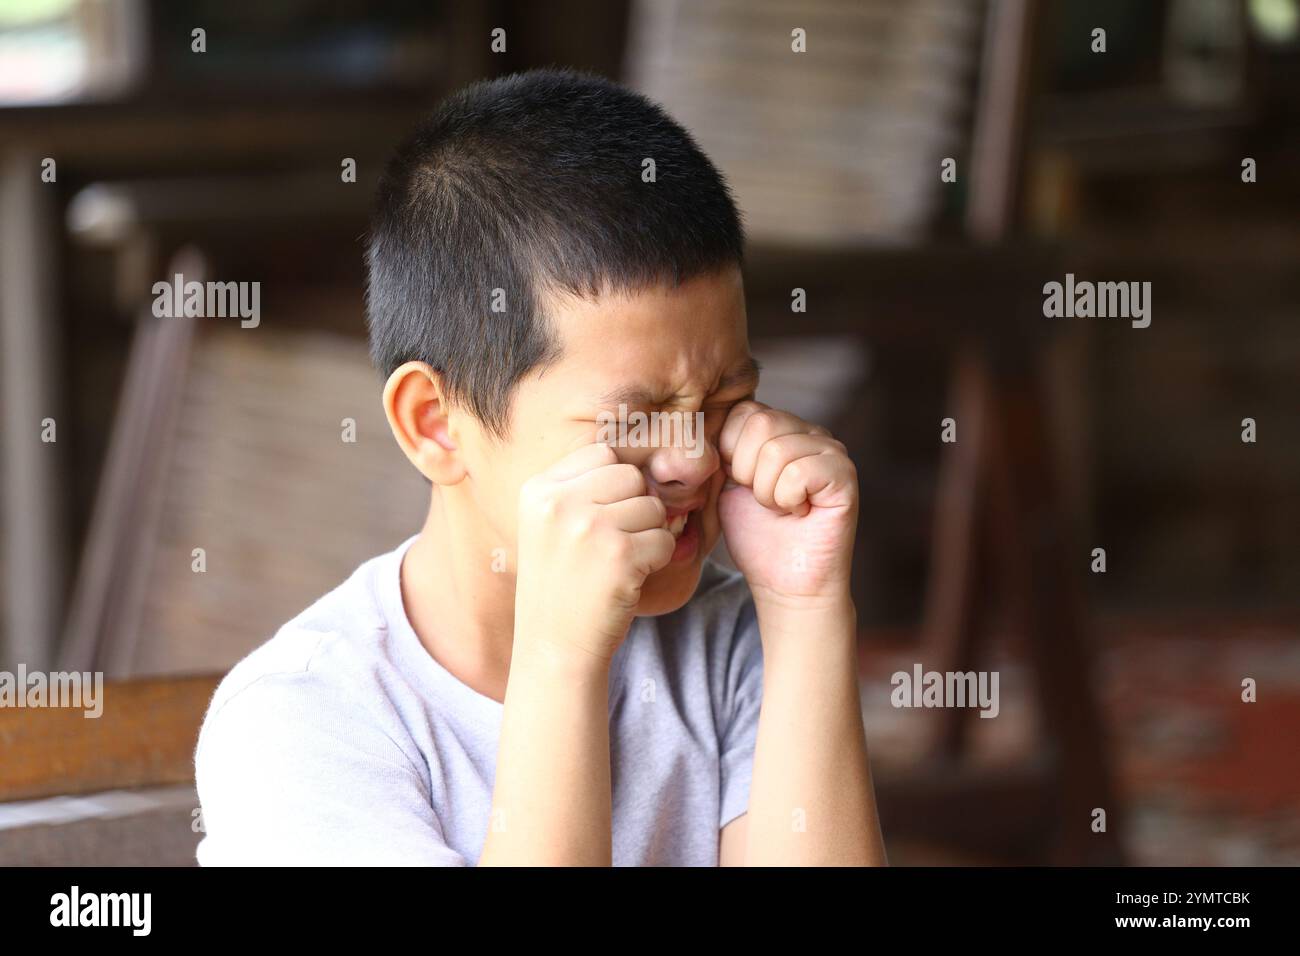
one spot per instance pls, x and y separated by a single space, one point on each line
727 404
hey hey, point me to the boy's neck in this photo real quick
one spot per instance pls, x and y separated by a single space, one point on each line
460 608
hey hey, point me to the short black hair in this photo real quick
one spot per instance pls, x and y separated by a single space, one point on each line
530 183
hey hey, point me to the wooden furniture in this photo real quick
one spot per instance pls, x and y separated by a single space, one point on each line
113 790
1001 513
1002 521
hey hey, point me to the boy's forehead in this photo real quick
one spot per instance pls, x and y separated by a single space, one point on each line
702 309
663 337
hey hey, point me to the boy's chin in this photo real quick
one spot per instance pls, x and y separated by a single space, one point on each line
667 590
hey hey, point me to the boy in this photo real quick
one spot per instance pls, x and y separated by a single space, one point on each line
551 672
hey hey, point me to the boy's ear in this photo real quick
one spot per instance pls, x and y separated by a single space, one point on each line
415 402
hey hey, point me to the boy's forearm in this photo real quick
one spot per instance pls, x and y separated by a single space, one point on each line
811 799
551 798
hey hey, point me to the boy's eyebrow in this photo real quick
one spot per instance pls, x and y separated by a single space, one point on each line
635 396
746 373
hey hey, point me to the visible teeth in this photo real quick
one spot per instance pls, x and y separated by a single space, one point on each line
677 525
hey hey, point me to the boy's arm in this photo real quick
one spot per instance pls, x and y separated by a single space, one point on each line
789 515
811 797
731 845
551 798
811 800
589 535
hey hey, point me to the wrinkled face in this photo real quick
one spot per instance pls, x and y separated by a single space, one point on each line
648 362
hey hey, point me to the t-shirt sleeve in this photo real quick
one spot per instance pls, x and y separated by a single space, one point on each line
288 776
744 693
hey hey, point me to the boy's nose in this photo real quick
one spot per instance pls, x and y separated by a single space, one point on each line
685 467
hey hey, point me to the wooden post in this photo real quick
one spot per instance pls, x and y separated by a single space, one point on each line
33 506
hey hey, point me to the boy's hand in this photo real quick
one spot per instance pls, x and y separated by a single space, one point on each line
790 507
589 536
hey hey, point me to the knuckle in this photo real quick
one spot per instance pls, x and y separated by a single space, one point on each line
619 548
631 474
539 498
582 525
772 451
530 489
763 421
627 592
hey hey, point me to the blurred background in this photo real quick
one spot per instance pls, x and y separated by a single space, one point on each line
172 490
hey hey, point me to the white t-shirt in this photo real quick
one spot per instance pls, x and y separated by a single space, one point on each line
342 741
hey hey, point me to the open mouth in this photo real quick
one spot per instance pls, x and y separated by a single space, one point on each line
679 518
684 526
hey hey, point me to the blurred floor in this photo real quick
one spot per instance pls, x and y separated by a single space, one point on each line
1207 779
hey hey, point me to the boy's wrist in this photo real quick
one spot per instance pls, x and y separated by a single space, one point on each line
546 657
834 604
806 621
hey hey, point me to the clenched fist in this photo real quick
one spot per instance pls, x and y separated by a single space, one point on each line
589 536
789 510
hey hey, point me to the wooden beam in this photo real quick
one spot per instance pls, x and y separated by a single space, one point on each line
940 295
997 150
145 736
